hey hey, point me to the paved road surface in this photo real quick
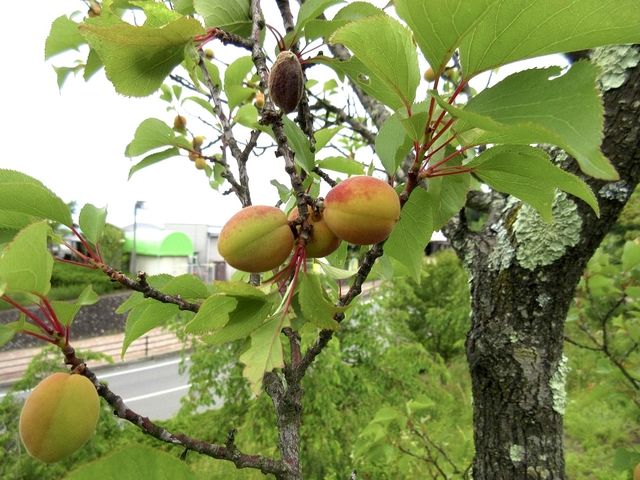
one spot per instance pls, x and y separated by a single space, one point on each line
152 388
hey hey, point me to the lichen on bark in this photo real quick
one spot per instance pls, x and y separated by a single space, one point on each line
557 385
614 62
539 243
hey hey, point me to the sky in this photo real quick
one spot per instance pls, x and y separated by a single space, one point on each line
73 139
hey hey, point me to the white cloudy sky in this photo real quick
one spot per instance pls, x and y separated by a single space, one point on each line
73 140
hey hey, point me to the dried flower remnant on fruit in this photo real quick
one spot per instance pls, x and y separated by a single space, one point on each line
323 241
286 81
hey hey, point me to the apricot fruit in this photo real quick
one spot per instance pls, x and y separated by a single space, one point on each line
179 123
429 75
201 163
323 241
362 210
59 416
256 239
636 472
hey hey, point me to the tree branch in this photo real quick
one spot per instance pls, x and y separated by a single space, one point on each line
147 290
229 451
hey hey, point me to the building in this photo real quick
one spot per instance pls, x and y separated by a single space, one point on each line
159 250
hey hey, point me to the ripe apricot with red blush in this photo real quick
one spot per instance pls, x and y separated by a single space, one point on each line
256 239
362 210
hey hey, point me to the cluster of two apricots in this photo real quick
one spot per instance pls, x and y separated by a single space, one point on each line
361 210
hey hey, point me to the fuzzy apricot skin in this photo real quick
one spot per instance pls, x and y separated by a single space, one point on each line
256 239
362 210
59 416
323 241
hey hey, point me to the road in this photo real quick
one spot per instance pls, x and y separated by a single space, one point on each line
152 388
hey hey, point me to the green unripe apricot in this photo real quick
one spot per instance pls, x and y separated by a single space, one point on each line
59 416
256 239
362 210
323 241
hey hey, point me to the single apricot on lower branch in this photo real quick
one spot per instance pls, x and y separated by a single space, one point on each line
59 416
323 241
256 239
362 210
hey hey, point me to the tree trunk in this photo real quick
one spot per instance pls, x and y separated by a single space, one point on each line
523 276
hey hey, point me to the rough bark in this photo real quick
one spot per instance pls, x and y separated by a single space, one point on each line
523 276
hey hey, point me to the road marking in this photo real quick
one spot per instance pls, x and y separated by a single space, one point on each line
157 394
119 373
140 369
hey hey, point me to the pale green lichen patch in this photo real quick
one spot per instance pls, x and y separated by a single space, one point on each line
543 299
540 243
558 384
618 191
503 252
516 453
614 62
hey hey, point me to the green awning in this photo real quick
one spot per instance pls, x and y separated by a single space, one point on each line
159 243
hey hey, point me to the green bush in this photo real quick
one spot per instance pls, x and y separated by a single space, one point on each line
67 281
437 308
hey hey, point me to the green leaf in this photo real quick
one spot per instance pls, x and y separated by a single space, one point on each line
336 273
362 76
264 354
229 15
23 194
92 222
234 77
412 233
153 159
392 144
354 11
14 220
300 144
520 29
528 107
527 173
153 133
64 35
138 59
449 196
8 331
212 315
157 14
146 317
324 136
134 462
87 297
200 101
238 289
342 165
312 9
377 39
188 286
248 316
439 26
247 115
65 311
316 306
630 255
26 263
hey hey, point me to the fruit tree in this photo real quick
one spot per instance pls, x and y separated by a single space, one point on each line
547 156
